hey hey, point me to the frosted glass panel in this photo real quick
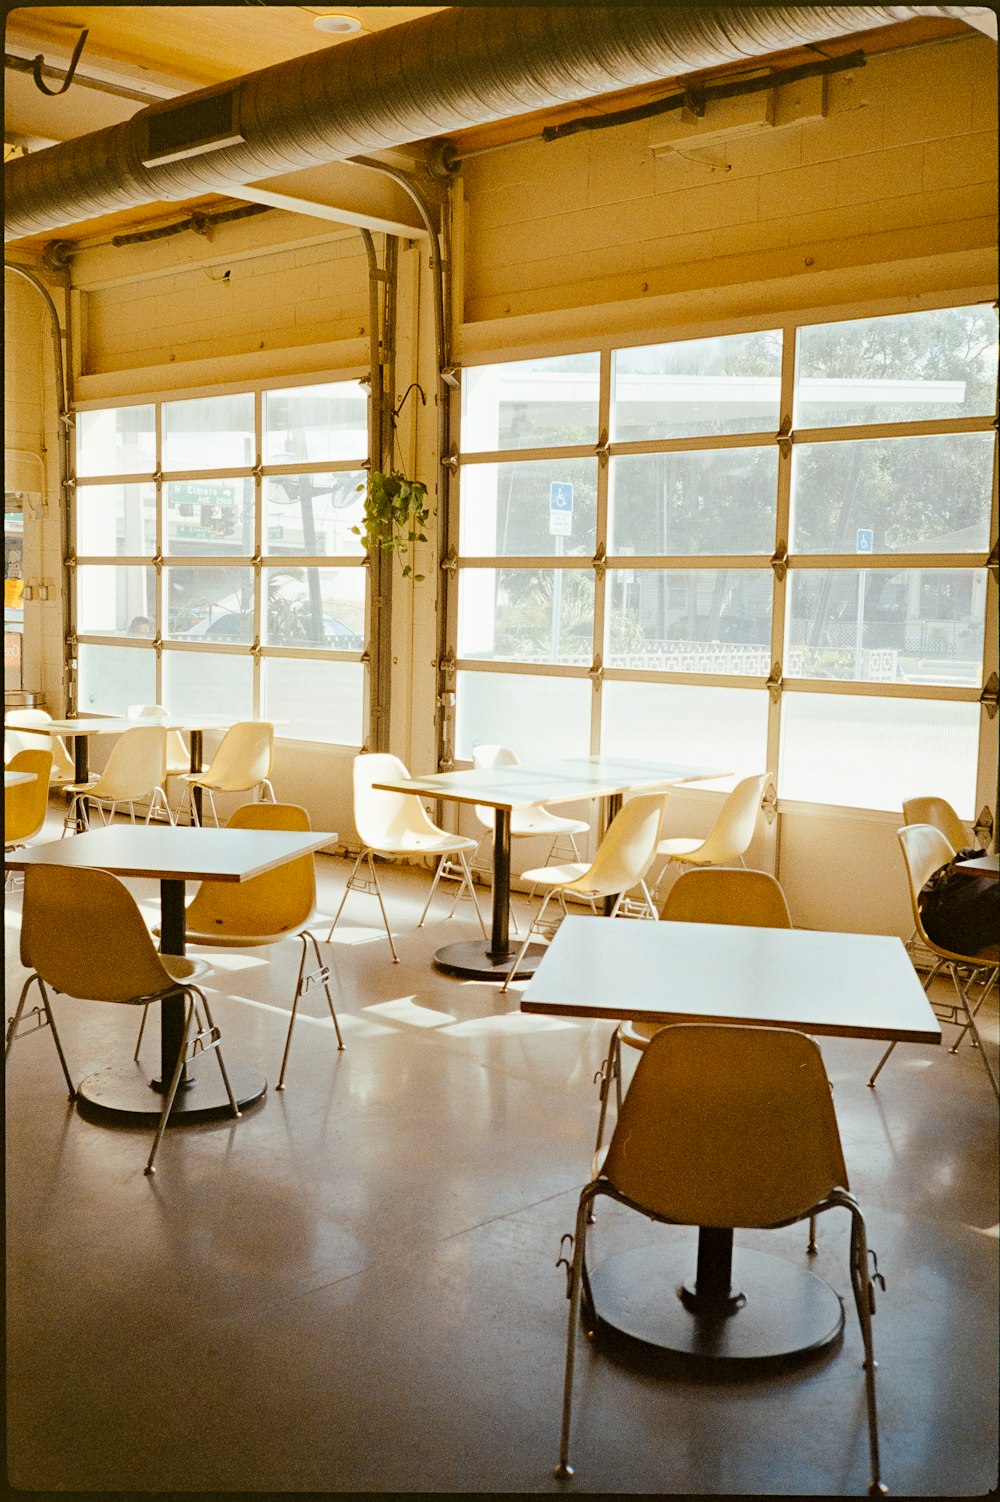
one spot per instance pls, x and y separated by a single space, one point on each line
115 600
723 728
873 753
117 441
320 701
536 717
208 683
116 520
112 678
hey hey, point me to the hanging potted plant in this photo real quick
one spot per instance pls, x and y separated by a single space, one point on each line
396 508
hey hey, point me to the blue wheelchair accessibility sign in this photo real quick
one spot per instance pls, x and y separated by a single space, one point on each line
866 540
560 508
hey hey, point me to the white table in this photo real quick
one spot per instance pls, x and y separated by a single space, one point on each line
505 788
174 856
980 865
826 984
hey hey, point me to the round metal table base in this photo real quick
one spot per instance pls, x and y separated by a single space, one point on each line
788 1311
127 1092
472 960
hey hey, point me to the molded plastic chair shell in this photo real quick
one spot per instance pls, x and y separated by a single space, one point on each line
26 803
398 824
178 755
939 813
15 740
536 820
623 857
265 909
82 933
242 762
135 769
726 1127
925 850
729 838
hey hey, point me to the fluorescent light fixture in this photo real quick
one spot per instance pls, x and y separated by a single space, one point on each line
341 26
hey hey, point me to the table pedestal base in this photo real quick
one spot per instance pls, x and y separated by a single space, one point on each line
127 1092
472 960
787 1311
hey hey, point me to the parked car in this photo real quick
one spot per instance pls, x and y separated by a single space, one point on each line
232 627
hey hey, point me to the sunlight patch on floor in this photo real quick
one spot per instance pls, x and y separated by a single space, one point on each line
510 1023
404 1009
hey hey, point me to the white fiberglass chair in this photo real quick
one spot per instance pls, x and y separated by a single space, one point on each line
242 764
276 905
725 1127
135 770
82 934
397 824
178 754
720 894
623 857
728 840
16 738
925 850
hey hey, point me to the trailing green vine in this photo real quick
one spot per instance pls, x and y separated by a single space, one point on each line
396 513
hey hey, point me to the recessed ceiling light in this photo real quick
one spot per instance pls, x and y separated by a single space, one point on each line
341 26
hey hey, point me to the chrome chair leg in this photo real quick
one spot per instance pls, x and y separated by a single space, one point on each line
50 1021
322 975
206 1036
354 885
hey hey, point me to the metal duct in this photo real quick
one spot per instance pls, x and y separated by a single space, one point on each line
464 66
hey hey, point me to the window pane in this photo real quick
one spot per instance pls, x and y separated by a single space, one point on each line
510 510
883 626
116 519
315 607
713 727
115 600
208 683
309 423
209 516
915 495
539 718
213 432
700 386
528 404
526 615
210 604
112 678
873 753
691 621
704 502
911 366
314 514
319 701
118 441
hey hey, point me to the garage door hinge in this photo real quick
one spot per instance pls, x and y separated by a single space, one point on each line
779 560
983 827
774 682
993 562
988 697
596 673
446 664
783 437
599 562
449 563
602 448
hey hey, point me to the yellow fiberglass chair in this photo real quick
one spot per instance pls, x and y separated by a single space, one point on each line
623 857
17 737
264 910
925 850
717 894
25 804
242 763
135 769
939 812
728 840
82 934
725 1127
398 824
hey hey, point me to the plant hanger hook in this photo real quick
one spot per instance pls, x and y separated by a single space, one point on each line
39 62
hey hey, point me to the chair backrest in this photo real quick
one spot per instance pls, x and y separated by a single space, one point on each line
384 819
939 812
13 742
485 758
724 894
627 850
82 931
730 835
136 765
26 804
244 757
925 850
727 1126
276 902
178 755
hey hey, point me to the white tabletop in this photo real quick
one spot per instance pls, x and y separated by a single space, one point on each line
185 853
14 779
562 781
980 865
833 984
118 724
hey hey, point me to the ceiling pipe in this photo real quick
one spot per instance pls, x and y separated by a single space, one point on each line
462 66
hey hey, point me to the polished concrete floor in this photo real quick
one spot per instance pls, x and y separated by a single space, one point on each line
354 1289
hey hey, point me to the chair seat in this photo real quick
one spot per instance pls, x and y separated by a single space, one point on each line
416 842
538 820
679 848
638 1034
183 969
557 876
80 787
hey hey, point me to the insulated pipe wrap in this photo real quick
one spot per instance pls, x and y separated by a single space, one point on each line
464 66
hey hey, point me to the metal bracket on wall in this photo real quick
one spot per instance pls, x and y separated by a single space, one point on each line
452 376
983 827
769 803
988 697
446 664
779 560
774 682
